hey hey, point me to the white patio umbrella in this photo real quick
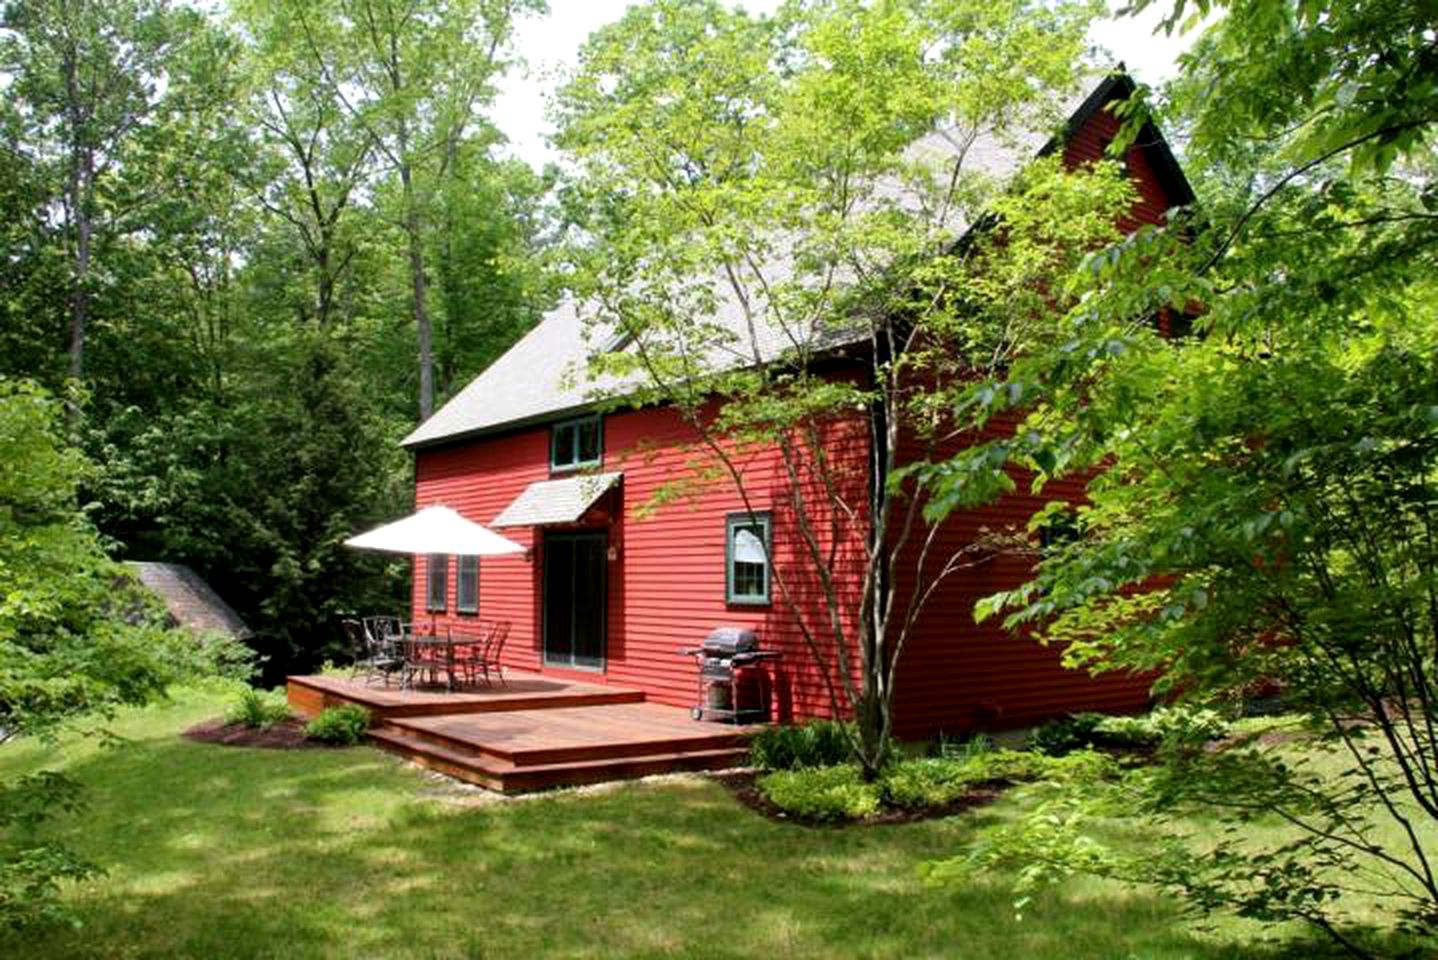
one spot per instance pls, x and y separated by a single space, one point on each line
436 530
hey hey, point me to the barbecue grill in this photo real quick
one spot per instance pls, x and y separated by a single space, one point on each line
733 683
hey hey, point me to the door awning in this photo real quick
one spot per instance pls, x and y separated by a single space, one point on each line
556 501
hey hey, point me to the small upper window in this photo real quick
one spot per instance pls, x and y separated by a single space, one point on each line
466 588
747 544
575 443
437 584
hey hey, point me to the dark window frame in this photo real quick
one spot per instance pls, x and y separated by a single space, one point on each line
436 563
472 562
1059 530
575 424
732 523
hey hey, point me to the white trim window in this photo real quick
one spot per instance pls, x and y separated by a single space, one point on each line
747 544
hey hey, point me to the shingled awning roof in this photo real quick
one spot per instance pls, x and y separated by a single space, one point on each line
556 501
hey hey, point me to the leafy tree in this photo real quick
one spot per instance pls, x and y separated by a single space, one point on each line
248 280
1266 516
316 156
492 268
89 79
755 192
78 638
413 74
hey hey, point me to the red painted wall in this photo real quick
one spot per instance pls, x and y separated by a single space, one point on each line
666 585
957 675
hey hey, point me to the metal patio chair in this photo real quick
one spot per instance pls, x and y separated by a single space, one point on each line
374 655
483 655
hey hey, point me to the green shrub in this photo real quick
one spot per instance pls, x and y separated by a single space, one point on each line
1058 737
343 726
259 709
839 793
1178 726
925 783
1081 766
1175 726
822 793
819 743
1024 766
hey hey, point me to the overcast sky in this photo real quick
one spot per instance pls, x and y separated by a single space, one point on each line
551 44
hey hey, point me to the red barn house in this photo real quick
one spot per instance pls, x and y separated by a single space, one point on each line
613 586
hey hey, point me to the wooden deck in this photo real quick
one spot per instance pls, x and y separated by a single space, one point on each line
309 695
533 733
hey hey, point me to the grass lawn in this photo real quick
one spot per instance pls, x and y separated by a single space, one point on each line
221 852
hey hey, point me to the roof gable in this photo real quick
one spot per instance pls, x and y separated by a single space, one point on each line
543 377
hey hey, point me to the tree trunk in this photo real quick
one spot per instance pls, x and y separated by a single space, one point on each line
80 190
422 322
80 265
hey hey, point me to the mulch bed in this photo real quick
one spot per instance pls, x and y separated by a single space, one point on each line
285 735
741 784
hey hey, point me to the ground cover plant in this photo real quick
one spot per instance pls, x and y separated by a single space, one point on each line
230 853
840 792
341 726
258 709
1144 732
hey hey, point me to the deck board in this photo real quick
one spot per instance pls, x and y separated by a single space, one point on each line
521 691
574 734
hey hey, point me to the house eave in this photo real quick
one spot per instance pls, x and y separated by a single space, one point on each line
495 429
1120 86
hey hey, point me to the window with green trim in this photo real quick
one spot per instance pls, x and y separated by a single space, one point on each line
747 542
436 594
466 587
575 443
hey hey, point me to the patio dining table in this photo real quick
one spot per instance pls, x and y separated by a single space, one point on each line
429 652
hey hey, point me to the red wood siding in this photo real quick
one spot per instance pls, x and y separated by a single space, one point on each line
1087 145
666 584
957 675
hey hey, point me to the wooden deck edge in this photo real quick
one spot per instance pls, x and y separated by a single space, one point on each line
546 756
307 701
539 702
506 778
308 698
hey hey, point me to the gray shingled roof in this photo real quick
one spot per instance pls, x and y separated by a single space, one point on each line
190 600
542 377
556 501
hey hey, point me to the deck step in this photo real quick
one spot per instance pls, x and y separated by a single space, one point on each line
497 774
459 741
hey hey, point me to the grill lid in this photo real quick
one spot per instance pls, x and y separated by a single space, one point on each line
728 641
